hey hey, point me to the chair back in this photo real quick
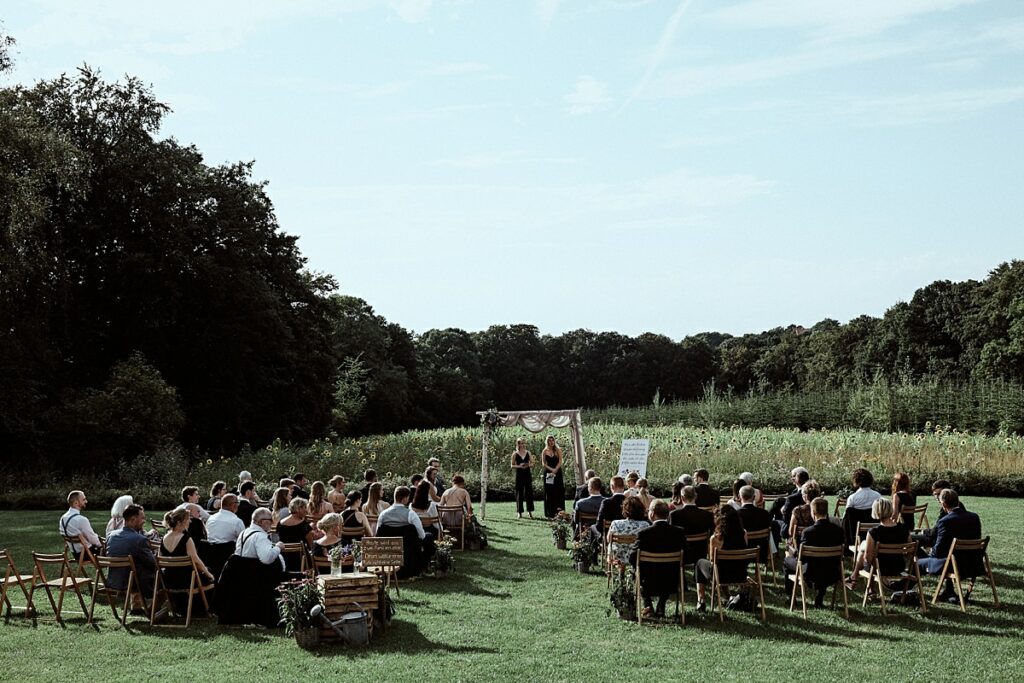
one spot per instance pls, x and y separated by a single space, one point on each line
427 520
351 533
970 556
165 562
921 511
799 532
696 539
297 549
862 530
585 519
107 562
724 500
158 526
906 550
710 508
759 540
623 539
84 556
769 497
819 552
748 554
660 558
840 504
43 560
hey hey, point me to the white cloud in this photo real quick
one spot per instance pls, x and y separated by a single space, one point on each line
546 10
668 35
934 107
412 11
589 95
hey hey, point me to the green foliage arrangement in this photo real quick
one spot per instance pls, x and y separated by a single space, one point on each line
296 600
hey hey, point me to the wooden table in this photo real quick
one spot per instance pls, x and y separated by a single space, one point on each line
343 592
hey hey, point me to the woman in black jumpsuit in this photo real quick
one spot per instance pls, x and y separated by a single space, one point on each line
522 461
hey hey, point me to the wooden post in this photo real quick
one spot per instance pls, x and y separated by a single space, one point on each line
483 469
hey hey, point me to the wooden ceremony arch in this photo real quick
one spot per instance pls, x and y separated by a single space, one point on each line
533 421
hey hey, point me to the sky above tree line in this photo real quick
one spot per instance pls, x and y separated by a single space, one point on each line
623 165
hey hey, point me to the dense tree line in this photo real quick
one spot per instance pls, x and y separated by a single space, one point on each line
147 296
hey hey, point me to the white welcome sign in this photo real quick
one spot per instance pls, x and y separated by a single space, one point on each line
633 456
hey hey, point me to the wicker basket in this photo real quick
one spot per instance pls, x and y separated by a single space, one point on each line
307 638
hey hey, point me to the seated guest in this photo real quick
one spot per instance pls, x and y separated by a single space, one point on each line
677 496
439 482
196 528
74 523
591 505
280 501
686 479
375 503
748 479
456 496
782 509
353 519
287 483
955 523
634 518
299 487
706 496
430 476
330 525
424 506
117 514
583 490
318 503
821 573
247 592
631 479
643 492
190 496
243 476
865 496
399 520
247 503
369 476
336 496
216 491
177 543
903 499
225 526
888 531
926 537
801 515
693 521
754 518
611 507
729 535
658 579
130 541
735 501
295 529
414 481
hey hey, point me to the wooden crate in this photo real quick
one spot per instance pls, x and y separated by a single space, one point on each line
342 594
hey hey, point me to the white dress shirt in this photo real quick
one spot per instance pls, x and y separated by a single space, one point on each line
255 542
400 515
73 523
861 499
224 527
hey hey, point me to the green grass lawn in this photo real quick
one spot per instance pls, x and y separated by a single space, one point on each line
518 612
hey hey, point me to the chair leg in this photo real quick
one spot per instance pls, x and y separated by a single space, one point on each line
991 580
867 587
881 592
942 578
681 597
191 596
920 588
760 592
718 592
636 597
792 593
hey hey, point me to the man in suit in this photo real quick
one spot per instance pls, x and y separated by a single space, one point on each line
611 508
692 520
754 518
926 538
369 478
583 490
591 505
783 508
661 579
299 489
819 572
706 496
247 502
957 522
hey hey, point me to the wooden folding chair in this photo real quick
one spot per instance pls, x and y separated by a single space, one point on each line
662 558
693 540
748 554
66 581
582 523
195 587
298 549
860 535
768 499
100 584
821 553
623 539
922 520
724 500
158 526
454 519
908 551
84 557
754 539
372 519
951 569
710 508
428 521
12 578
384 556
840 504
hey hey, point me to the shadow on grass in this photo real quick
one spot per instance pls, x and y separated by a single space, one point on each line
404 636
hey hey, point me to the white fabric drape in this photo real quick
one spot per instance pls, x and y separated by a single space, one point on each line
535 421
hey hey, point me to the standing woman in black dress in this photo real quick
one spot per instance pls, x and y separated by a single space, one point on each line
522 461
554 484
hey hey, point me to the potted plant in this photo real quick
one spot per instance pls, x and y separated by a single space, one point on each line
297 599
561 529
444 558
583 554
623 596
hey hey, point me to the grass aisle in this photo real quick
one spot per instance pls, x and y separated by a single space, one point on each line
518 612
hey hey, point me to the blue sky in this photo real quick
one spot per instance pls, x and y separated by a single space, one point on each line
623 165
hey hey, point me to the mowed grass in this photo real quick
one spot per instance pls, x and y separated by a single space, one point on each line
518 612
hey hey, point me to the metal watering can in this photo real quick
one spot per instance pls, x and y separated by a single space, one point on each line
351 627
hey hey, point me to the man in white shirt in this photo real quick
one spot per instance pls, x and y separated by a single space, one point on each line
74 523
865 496
225 526
255 540
400 514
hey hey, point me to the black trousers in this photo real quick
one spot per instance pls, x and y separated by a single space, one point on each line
524 493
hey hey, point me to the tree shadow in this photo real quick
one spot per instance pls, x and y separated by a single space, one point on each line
403 636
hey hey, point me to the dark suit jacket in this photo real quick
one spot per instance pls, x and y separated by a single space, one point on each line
822 534
660 537
706 495
298 492
958 523
692 520
780 504
757 519
245 510
591 505
611 510
793 500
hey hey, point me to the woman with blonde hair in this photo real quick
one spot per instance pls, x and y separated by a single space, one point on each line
887 531
318 505
330 525
375 503
177 543
643 493
554 482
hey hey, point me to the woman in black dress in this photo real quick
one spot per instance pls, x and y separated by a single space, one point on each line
522 461
177 543
352 517
903 499
729 535
295 529
554 484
